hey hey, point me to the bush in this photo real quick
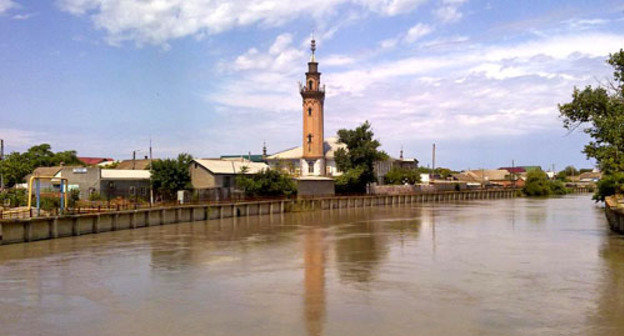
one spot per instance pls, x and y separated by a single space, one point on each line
399 175
267 183
538 184
13 197
609 185
350 181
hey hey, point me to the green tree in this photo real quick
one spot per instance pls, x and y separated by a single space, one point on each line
538 184
566 173
601 111
266 183
171 175
357 162
400 175
16 166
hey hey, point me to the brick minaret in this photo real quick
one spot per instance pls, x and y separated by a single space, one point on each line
313 94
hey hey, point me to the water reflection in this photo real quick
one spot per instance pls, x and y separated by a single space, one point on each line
314 280
481 267
610 310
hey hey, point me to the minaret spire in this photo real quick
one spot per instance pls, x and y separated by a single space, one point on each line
312 48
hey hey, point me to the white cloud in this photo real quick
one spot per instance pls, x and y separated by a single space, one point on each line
412 35
417 31
156 22
481 90
5 5
449 11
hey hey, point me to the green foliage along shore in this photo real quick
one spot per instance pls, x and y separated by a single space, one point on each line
267 183
399 175
538 184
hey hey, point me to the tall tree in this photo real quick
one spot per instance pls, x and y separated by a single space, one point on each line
357 162
601 111
17 165
171 175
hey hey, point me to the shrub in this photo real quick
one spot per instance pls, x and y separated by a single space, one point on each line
538 184
13 197
609 185
267 183
399 175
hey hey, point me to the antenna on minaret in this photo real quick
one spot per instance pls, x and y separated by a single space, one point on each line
312 47
401 154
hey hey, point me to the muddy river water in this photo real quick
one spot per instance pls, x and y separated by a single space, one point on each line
502 267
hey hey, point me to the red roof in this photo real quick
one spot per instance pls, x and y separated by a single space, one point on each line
89 161
514 170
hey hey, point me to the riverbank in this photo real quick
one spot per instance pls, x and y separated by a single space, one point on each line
40 228
615 214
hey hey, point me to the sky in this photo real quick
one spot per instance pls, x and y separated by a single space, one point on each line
480 79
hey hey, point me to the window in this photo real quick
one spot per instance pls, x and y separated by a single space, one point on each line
310 85
143 191
111 185
311 167
309 111
132 191
310 138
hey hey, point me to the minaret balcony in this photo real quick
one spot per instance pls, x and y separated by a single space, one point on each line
305 89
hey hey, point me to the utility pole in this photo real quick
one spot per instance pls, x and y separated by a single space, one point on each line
513 173
433 161
1 159
151 172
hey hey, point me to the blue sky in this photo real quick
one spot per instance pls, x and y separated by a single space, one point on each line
481 79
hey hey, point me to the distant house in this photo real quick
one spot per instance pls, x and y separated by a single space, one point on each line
590 177
124 183
219 173
383 167
140 164
290 159
109 183
499 177
93 161
249 157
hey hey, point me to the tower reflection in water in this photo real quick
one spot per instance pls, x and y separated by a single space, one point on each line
314 281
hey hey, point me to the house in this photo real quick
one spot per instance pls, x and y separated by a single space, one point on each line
139 164
498 177
250 157
593 176
130 184
109 183
93 161
383 167
218 173
290 160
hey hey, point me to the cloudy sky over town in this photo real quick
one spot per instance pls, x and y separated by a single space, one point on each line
481 79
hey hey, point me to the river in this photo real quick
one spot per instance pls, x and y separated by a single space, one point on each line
503 267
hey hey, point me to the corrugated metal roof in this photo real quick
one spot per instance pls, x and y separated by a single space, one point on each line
231 167
140 164
330 146
252 157
46 171
125 174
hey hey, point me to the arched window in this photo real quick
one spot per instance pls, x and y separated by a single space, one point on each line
309 111
310 85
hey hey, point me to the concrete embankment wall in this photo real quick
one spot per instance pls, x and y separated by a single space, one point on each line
615 215
38 228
